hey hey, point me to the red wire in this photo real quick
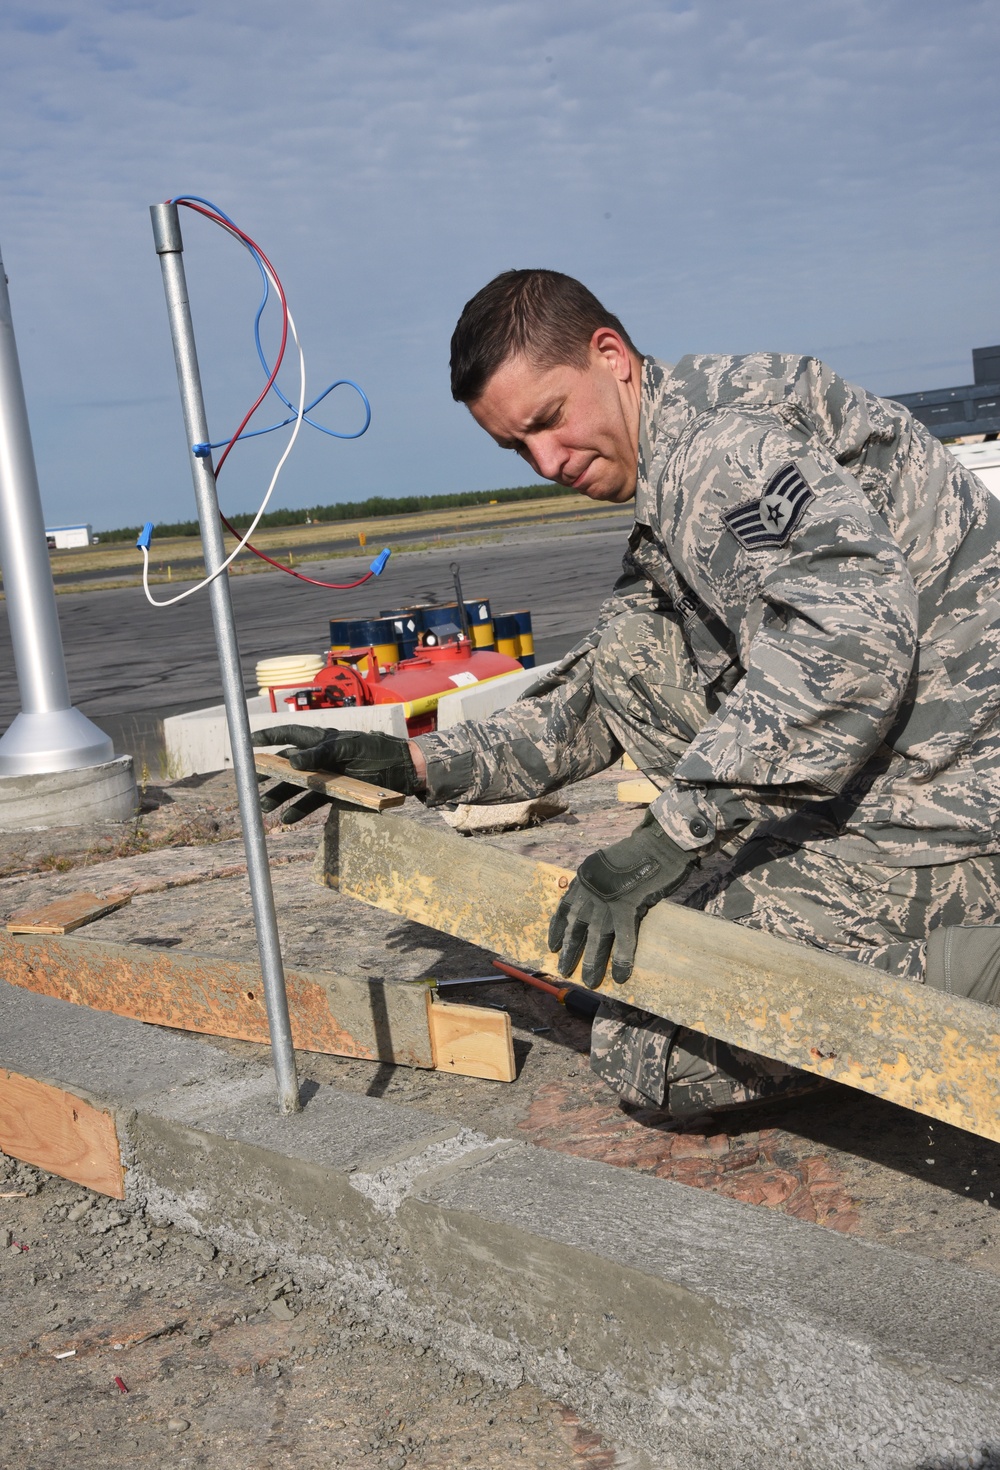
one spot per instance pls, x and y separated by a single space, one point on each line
234 230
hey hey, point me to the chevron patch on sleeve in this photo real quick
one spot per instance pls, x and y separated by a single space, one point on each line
762 524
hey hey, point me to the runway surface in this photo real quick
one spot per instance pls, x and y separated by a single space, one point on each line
130 664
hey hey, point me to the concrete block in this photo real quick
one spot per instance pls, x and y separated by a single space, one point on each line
199 741
479 701
104 793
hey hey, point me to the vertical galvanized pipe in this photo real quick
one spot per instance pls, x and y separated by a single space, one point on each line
49 735
169 247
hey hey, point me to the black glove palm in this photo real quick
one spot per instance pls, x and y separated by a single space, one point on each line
600 915
382 760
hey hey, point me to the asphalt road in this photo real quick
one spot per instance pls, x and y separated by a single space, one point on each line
130 664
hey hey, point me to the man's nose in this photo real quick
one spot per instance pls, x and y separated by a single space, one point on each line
548 455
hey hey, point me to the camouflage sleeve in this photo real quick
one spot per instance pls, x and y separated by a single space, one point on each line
555 733
784 543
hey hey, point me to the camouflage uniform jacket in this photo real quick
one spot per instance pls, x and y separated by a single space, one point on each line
836 575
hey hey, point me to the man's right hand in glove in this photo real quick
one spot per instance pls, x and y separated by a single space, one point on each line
599 916
381 760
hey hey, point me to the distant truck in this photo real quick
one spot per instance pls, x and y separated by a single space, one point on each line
62 538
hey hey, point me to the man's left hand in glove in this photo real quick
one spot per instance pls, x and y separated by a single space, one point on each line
600 915
382 760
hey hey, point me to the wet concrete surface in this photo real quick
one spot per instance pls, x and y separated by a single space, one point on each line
127 1343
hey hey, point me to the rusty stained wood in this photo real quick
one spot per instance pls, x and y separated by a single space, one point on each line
339 788
60 1132
329 1013
909 1044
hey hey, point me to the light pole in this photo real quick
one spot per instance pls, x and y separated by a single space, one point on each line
48 735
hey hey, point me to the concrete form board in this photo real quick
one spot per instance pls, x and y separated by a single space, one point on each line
702 1331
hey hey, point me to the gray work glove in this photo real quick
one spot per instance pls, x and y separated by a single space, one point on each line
604 905
382 760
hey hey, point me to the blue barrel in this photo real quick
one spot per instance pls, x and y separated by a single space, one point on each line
434 618
505 631
480 622
407 624
377 633
525 638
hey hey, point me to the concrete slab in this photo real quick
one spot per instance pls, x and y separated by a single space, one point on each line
700 1331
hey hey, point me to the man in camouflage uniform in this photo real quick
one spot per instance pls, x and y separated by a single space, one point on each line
802 653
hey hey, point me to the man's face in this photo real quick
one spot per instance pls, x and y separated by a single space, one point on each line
577 426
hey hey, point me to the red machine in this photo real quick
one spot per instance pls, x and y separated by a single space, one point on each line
352 677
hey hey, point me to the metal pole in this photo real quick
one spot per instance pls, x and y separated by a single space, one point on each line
169 247
49 735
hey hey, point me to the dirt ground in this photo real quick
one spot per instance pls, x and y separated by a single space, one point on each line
206 1345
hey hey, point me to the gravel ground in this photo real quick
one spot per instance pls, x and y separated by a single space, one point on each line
173 1354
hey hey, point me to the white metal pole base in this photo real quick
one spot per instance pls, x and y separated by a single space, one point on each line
50 741
77 798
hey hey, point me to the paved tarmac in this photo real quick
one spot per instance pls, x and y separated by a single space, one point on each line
130 664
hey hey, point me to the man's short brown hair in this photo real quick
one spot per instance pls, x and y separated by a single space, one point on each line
546 316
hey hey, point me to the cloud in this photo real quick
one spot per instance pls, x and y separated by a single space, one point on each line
800 174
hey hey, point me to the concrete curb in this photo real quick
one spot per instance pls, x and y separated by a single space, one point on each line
699 1331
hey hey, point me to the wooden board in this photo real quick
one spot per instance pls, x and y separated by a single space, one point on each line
61 1133
339 788
472 1041
335 1014
339 1015
65 914
907 1043
640 790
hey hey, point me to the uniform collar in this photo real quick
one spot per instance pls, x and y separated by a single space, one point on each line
655 378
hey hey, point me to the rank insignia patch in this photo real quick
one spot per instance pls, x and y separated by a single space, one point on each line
769 521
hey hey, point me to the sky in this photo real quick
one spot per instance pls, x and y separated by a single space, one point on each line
727 175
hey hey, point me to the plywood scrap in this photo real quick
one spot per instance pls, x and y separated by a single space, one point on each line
339 788
65 914
472 1041
641 791
848 1022
57 1131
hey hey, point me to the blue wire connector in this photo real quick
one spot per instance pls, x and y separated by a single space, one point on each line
145 536
378 565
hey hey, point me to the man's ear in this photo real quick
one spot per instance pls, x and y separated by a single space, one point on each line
610 347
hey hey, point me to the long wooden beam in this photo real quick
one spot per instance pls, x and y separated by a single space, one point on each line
907 1043
339 1015
329 1013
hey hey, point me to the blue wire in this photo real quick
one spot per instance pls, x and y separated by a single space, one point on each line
204 449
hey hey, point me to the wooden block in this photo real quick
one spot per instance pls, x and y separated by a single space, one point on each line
339 788
628 764
641 791
849 1022
471 1041
65 914
61 1133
